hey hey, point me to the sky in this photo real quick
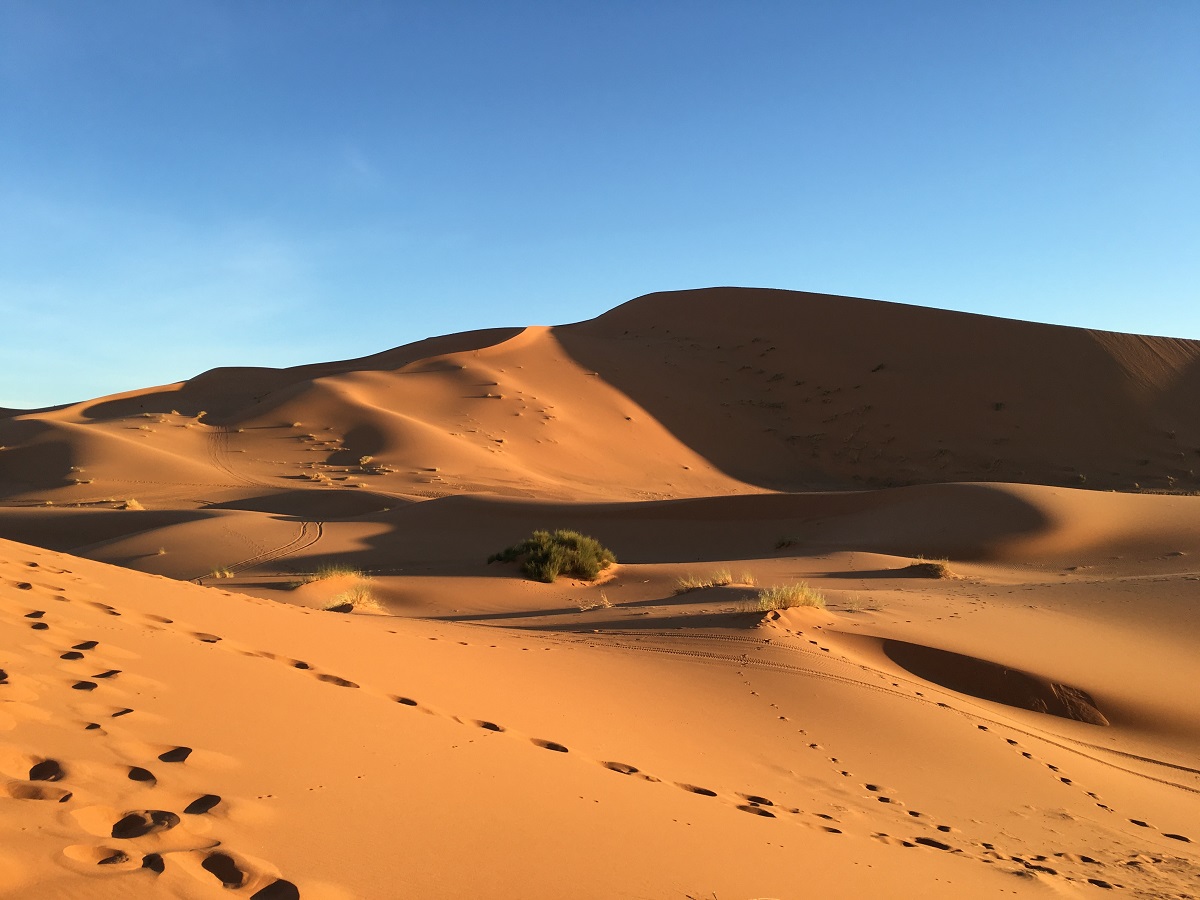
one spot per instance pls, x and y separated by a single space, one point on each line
186 184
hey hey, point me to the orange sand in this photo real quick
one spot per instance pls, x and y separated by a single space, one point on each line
1027 726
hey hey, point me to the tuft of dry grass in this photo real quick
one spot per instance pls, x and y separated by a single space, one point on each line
220 572
601 602
335 570
789 596
689 582
357 597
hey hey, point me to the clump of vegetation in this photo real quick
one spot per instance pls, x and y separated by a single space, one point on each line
335 570
689 582
719 578
545 555
220 572
789 596
929 568
357 597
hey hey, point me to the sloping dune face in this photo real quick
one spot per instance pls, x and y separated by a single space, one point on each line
681 394
810 390
987 686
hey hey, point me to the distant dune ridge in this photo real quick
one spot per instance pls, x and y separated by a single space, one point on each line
1026 725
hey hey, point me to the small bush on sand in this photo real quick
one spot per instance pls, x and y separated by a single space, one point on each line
929 568
545 555
357 597
220 572
788 596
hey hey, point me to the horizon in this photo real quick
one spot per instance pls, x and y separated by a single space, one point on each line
201 184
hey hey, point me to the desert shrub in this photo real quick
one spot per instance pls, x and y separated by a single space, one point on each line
788 596
358 596
545 555
929 568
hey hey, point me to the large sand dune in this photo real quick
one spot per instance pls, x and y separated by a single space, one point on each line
1027 724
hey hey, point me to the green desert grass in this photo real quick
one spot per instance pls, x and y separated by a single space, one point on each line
545 555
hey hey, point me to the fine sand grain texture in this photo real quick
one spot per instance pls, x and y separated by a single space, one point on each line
251 646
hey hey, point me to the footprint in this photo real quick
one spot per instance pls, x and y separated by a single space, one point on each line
101 856
756 800
225 869
110 673
178 754
137 773
72 654
143 822
756 810
84 686
154 862
488 726
703 792
340 682
86 645
40 626
121 712
405 701
47 770
205 637
201 805
623 768
277 890
25 790
1177 837
548 745
930 842
36 614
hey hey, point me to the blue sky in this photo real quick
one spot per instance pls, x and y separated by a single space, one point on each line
192 184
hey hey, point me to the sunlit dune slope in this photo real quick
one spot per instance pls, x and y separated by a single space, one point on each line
680 394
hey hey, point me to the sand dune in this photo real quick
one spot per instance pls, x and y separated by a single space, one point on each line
180 715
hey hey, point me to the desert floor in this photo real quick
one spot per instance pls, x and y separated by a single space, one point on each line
182 716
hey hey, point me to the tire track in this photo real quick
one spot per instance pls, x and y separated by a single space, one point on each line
217 444
309 534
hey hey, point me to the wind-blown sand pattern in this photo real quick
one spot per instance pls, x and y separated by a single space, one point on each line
180 716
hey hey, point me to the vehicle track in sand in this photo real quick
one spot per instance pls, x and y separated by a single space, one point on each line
307 535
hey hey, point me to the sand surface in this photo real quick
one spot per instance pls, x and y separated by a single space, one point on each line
180 715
